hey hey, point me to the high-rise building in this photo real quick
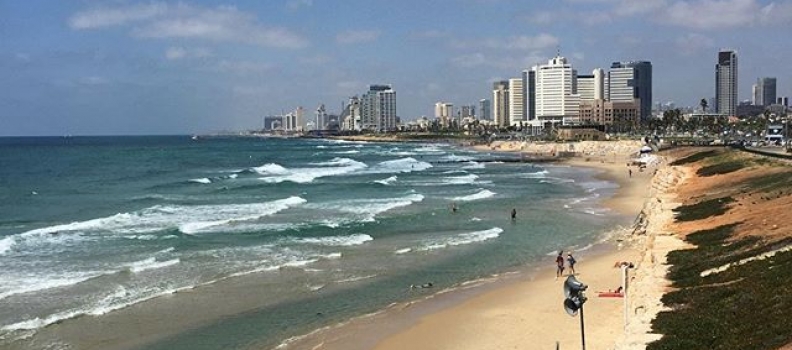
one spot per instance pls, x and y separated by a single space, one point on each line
726 83
590 87
529 77
321 118
485 109
516 101
500 103
628 81
555 97
444 112
378 108
764 92
467 111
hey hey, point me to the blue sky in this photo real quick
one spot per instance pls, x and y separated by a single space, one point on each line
89 67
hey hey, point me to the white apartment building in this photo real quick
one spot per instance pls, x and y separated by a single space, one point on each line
444 113
556 100
517 113
500 103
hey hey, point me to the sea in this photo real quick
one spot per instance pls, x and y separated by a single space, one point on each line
171 242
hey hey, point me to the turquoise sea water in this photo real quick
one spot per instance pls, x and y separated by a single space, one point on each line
319 230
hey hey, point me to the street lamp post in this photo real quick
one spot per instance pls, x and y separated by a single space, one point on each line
575 298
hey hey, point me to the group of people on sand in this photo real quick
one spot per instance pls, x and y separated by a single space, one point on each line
561 263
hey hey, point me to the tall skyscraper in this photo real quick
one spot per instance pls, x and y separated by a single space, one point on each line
726 83
632 80
444 112
321 118
555 97
764 92
500 103
485 109
516 101
529 76
378 108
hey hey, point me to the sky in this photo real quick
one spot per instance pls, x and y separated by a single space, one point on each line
124 67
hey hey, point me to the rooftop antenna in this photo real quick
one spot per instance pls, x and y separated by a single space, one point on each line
558 50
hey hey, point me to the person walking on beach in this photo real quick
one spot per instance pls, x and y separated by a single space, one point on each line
629 171
560 264
571 260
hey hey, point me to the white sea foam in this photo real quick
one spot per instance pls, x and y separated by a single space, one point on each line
119 299
481 194
535 175
556 180
403 250
456 158
474 165
352 151
462 239
401 165
355 279
368 207
202 180
216 217
14 285
150 264
387 181
351 240
460 180
6 244
275 173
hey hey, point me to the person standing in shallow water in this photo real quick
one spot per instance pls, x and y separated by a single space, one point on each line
514 214
560 264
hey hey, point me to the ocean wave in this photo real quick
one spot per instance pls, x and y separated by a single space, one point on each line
202 180
6 244
352 151
236 213
387 181
275 173
401 165
481 194
355 279
150 220
556 180
535 175
351 240
461 239
369 207
117 300
403 250
27 284
456 158
150 264
460 180
474 165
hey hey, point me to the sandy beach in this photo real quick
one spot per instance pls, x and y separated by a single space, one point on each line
526 311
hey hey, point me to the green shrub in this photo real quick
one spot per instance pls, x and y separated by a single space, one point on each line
703 209
721 168
694 157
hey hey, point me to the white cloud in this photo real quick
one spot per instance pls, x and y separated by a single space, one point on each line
711 14
107 17
523 42
163 21
505 62
176 53
357 36
638 7
776 13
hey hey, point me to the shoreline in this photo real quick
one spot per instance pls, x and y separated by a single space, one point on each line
513 308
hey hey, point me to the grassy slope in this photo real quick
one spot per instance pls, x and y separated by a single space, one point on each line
744 307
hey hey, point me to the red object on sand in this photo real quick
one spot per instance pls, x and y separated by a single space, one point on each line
610 295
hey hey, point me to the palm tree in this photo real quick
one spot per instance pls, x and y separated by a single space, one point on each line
703 105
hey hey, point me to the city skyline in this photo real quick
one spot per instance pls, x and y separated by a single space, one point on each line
133 67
